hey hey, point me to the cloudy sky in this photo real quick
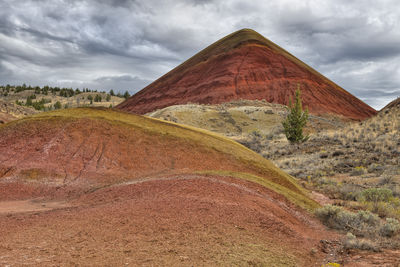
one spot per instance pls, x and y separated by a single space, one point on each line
125 45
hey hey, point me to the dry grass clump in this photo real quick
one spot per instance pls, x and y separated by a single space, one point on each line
352 242
359 170
366 231
377 134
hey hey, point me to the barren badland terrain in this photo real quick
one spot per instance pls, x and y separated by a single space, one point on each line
196 169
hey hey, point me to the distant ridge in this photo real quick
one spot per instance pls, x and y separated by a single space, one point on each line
393 104
246 65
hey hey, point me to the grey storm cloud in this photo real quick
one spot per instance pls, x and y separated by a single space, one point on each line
119 81
126 44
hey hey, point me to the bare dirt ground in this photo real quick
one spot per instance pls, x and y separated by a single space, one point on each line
33 205
321 198
179 221
386 258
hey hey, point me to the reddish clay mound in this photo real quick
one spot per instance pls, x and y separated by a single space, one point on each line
96 147
245 65
113 188
178 221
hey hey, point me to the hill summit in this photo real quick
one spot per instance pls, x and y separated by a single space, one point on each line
246 65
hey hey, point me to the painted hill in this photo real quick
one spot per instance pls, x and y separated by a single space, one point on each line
134 190
245 65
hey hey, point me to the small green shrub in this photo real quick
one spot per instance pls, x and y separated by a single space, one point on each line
380 201
385 209
390 228
360 170
376 195
349 191
386 180
57 105
328 215
368 217
362 223
375 168
352 242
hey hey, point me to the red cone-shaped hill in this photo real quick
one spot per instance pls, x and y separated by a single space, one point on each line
245 65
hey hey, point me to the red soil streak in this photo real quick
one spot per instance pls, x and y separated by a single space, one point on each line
249 70
180 221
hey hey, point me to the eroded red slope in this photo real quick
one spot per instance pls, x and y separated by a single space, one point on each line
180 221
121 189
245 65
97 147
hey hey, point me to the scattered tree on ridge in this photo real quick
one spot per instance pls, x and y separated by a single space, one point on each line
97 98
296 120
90 98
127 95
57 105
29 101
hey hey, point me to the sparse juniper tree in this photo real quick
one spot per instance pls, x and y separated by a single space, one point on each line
296 120
112 92
57 105
90 98
29 101
97 98
127 95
